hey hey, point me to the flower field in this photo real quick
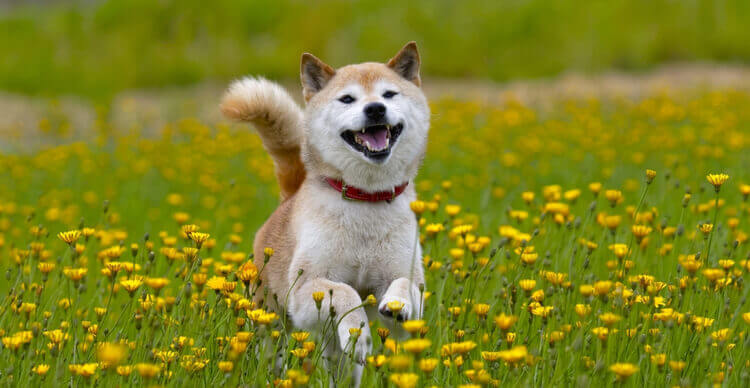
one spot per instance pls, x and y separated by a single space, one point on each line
592 243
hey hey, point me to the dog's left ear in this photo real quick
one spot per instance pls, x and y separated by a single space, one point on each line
406 63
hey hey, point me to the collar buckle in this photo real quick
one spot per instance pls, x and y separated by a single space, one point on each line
344 188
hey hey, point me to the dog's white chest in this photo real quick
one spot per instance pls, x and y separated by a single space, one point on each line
355 242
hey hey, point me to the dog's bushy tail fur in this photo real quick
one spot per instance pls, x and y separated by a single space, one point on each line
278 120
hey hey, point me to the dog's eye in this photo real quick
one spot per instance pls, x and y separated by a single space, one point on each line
389 94
346 99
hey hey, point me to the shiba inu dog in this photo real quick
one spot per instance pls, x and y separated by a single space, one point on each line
345 166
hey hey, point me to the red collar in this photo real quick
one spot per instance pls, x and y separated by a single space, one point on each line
353 193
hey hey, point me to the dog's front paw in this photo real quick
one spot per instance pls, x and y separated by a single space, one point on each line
355 341
394 306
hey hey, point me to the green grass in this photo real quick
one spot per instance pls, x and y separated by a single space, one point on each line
481 158
96 50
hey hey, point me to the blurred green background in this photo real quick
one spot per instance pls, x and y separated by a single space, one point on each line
97 48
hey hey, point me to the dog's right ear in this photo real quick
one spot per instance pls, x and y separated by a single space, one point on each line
314 74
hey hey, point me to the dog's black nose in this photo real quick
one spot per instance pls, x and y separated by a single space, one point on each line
375 111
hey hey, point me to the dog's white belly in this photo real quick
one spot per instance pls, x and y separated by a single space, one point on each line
365 245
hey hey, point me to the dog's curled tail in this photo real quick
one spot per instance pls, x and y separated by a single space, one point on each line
278 120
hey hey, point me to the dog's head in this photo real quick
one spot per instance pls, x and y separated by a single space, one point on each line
366 123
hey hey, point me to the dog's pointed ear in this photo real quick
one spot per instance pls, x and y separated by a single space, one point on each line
406 63
314 74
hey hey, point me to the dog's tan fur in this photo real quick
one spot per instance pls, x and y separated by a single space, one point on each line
322 242
279 123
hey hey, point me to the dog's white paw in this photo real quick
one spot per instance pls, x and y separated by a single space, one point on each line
355 341
389 307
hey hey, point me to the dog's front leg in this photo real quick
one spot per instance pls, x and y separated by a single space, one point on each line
404 294
348 314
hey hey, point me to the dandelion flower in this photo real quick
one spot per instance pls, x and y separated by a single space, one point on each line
505 322
717 180
131 285
623 370
40 369
416 345
70 237
404 380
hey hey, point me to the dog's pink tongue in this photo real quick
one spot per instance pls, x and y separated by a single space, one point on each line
377 139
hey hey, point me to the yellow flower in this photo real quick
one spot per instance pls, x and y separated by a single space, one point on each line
190 253
601 332
418 207
491 356
572 195
416 345
427 365
505 322
717 180
542 311
602 287
46 267
131 285
268 252
395 306
623 370
85 370
529 258
413 326
377 361
433 229
677 366
527 284
124 370
620 250
610 319
318 298
613 196
481 309
659 359
383 333
745 191
452 210
40 369
247 272
641 231
226 366
650 175
404 380
300 336
216 283
457 348
69 237
147 371
513 355
199 238
75 274
56 336
156 283
582 310
300 353
111 353
720 335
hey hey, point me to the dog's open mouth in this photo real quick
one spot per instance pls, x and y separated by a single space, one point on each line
374 141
